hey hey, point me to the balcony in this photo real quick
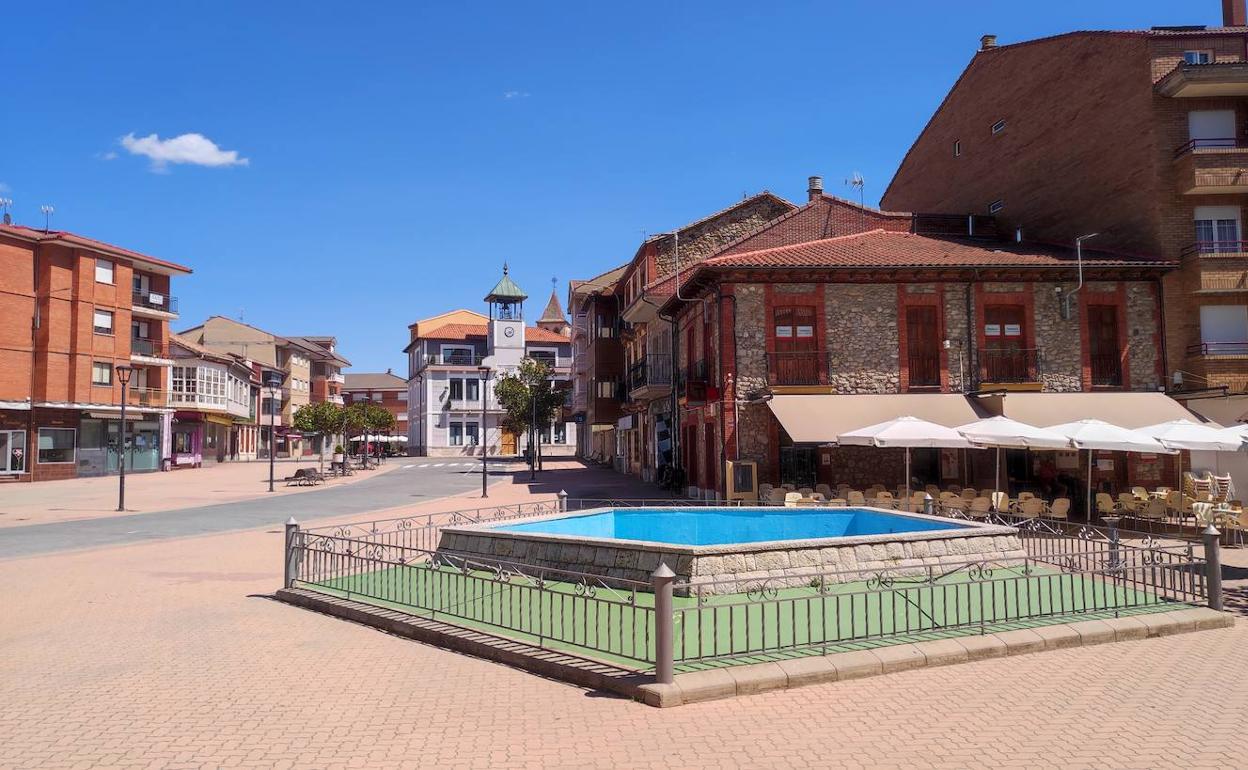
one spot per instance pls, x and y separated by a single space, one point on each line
336 377
145 349
1215 79
1211 167
1009 367
797 368
454 358
650 377
1218 349
154 304
1106 370
1222 265
146 397
335 398
693 382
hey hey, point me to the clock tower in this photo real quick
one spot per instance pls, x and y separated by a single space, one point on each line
505 340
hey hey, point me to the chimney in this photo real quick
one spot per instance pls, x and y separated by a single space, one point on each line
389 370
990 41
1234 14
814 187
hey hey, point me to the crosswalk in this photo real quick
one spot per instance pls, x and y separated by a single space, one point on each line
443 465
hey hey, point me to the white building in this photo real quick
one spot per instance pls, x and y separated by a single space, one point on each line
450 357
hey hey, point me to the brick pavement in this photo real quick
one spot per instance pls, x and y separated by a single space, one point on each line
170 655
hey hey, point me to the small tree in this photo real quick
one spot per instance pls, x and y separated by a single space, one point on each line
527 400
323 419
378 420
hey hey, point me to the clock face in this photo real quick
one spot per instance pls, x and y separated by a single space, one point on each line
509 331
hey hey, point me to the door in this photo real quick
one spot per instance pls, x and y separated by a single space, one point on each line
1106 359
922 347
796 355
1212 128
797 465
507 443
1005 359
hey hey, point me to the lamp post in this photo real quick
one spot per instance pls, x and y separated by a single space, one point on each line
123 376
274 384
484 371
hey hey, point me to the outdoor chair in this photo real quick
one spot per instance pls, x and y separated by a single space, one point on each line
884 499
1031 508
932 490
824 490
777 496
789 487
1105 505
791 499
950 501
856 498
805 491
842 490
969 493
818 497
1060 509
1128 503
1140 493
1234 524
764 490
1000 501
980 508
918 501
954 488
1153 510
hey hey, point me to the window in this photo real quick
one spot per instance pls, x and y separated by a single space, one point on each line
56 445
103 322
12 451
457 434
957 149
472 389
606 388
996 206
998 127
103 271
470 434
458 355
457 389
140 330
559 435
1217 228
1197 57
795 361
101 373
548 357
1224 329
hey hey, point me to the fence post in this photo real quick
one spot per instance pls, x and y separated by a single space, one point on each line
1213 563
1112 523
664 623
563 501
291 568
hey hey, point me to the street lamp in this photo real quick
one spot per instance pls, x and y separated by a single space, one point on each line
484 371
274 384
123 376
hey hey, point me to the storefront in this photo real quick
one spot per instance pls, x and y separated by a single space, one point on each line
99 442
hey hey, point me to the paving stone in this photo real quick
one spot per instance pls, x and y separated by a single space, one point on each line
759 677
1021 641
1127 628
856 664
1093 631
982 646
1167 623
899 657
1059 636
941 652
814 669
696 686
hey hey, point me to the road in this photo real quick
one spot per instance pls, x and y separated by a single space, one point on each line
417 480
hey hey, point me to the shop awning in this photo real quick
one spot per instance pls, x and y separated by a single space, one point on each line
1128 410
819 419
218 419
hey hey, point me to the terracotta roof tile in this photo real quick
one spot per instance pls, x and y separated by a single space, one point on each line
41 236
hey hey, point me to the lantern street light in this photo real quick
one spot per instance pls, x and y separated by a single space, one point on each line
123 376
274 383
484 371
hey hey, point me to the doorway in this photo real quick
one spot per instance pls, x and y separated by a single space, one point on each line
507 443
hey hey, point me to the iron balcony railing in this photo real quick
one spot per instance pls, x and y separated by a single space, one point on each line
654 369
692 379
148 348
154 301
798 367
924 369
1215 248
1217 143
1106 370
1009 365
1218 349
456 358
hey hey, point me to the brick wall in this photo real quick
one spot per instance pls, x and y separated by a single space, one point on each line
699 242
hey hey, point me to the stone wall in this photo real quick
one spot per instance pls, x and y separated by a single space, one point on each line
704 239
1061 363
861 329
957 295
1142 348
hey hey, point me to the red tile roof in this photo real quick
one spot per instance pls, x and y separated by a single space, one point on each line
72 239
884 248
467 331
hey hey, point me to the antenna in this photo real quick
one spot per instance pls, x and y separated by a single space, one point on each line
857 182
240 313
554 283
5 203
48 211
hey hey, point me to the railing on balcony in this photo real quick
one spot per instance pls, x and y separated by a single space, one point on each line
1216 248
1218 143
924 369
1218 349
155 301
652 370
454 358
146 397
148 348
1106 370
691 380
797 367
1009 365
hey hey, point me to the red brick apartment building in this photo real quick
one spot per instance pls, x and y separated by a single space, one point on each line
385 389
75 309
1138 136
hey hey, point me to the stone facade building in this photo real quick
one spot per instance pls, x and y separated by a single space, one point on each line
1137 136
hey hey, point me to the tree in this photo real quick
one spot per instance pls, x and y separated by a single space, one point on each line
322 419
528 401
365 417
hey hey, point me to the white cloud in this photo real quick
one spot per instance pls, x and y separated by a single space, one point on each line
110 155
195 149
515 94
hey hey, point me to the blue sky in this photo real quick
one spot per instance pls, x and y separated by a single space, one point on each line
359 170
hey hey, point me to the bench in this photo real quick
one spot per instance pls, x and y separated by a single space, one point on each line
305 477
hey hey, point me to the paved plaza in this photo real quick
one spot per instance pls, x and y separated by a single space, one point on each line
171 654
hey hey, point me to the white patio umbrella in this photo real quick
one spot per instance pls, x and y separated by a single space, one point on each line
905 432
1001 432
1098 434
1185 434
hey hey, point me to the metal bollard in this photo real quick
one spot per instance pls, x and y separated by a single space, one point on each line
290 568
664 624
563 501
929 505
1114 539
1213 562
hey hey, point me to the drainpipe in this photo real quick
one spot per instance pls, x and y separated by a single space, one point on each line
35 322
719 367
1079 258
1161 330
971 368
